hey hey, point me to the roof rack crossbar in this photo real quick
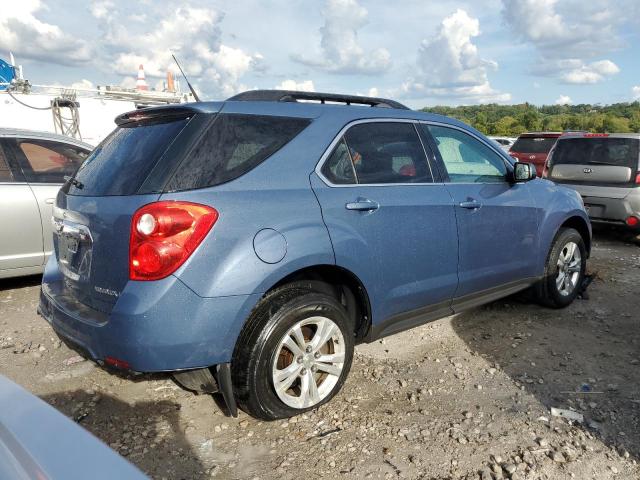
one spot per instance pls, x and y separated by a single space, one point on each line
323 98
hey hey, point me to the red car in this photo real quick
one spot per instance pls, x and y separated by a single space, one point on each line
533 147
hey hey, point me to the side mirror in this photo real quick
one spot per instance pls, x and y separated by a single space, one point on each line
523 172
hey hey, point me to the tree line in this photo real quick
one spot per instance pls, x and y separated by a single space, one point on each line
512 120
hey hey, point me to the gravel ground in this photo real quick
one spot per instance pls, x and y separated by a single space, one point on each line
467 397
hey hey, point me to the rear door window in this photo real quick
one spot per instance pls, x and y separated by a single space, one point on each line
338 168
48 161
387 152
533 144
232 145
617 152
121 163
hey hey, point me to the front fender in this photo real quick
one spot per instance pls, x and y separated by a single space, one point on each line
557 206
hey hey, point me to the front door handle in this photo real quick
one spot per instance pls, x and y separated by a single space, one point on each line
363 205
471 204
49 201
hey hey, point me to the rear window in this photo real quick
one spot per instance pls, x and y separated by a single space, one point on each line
233 145
120 164
533 144
618 152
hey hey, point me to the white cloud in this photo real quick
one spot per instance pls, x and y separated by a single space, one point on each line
192 34
635 91
373 92
558 32
449 64
26 36
593 72
564 41
303 86
340 49
101 8
563 100
83 84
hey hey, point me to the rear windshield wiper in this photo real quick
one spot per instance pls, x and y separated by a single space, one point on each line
73 181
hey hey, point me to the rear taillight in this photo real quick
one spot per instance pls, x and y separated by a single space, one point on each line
164 235
638 179
632 221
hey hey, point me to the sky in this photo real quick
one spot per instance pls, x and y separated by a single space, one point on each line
422 53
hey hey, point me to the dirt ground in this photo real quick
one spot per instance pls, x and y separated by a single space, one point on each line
467 397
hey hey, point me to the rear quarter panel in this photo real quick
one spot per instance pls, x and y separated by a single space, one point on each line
275 195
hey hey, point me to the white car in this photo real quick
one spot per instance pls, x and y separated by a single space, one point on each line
32 170
504 142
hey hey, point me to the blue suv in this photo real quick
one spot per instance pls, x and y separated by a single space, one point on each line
248 245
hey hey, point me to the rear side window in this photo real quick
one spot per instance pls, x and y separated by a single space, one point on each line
44 161
387 152
618 152
533 144
232 145
120 164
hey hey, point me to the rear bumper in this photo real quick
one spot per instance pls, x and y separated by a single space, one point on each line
605 209
611 210
154 326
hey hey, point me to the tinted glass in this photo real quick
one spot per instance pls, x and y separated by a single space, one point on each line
387 152
338 168
232 146
45 161
120 164
5 171
465 158
620 152
533 144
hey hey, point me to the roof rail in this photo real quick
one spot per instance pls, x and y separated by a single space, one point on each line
294 96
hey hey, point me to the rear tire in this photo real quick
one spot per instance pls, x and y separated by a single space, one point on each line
293 354
564 270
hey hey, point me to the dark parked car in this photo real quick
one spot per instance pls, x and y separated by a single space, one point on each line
534 147
605 169
249 244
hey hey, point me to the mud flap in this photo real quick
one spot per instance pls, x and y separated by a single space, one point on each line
226 387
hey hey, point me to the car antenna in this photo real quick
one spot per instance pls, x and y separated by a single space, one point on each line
193 92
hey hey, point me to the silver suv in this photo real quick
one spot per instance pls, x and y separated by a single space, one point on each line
605 169
32 169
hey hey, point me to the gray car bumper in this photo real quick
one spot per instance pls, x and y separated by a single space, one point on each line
603 206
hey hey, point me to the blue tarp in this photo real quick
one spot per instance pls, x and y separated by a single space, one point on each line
7 73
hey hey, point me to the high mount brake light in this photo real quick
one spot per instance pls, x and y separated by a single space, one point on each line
588 135
164 235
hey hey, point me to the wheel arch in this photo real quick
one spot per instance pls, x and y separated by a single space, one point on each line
342 283
580 224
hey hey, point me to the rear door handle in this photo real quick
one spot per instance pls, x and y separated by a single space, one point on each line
471 204
363 205
49 201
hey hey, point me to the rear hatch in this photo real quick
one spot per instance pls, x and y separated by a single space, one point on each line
92 216
533 149
593 161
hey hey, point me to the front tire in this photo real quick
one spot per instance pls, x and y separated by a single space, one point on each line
293 354
564 270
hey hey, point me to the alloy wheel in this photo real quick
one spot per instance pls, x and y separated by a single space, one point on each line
308 362
569 268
